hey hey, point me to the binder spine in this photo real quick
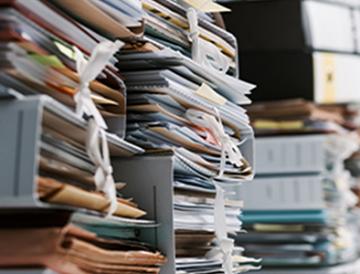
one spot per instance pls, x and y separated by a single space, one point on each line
290 155
284 193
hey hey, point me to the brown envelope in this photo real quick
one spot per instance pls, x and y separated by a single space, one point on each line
53 191
71 250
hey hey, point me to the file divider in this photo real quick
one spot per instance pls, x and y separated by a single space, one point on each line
20 122
150 181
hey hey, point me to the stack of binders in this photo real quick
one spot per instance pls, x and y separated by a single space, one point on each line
301 50
300 210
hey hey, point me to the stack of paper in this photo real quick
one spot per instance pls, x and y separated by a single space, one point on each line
69 248
178 103
38 56
302 215
45 51
186 100
66 173
299 116
180 70
194 220
167 23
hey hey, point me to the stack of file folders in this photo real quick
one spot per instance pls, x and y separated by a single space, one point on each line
175 101
40 48
38 56
166 91
300 210
63 177
65 172
74 244
169 98
309 54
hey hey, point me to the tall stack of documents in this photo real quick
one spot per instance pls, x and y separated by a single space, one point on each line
44 51
175 80
300 210
174 103
39 56
301 50
66 175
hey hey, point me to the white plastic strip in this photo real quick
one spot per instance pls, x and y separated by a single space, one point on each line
99 155
204 52
226 244
229 150
98 152
194 34
88 71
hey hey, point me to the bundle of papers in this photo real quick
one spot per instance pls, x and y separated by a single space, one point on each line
167 23
66 173
177 104
179 69
42 52
38 56
303 117
69 248
163 107
196 212
194 221
293 239
205 265
306 235
317 237
349 268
